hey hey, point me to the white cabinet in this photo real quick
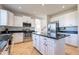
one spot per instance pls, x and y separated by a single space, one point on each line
54 19
61 21
67 40
43 45
72 40
51 46
48 46
37 37
68 19
17 37
34 40
10 19
3 17
6 18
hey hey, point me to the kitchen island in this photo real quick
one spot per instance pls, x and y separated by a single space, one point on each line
47 45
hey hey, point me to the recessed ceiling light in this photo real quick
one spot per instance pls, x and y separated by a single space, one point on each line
19 7
63 7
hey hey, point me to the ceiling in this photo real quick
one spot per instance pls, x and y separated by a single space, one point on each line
38 9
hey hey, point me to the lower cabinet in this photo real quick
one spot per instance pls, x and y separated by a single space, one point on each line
67 40
43 45
51 46
17 37
48 46
72 40
36 41
37 37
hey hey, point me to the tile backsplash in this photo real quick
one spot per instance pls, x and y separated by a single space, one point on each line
71 29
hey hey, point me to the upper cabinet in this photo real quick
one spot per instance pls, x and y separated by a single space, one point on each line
10 19
6 18
68 19
3 17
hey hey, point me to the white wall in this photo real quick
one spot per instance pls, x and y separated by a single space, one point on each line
38 25
44 24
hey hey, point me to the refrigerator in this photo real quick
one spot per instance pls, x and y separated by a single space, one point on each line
53 28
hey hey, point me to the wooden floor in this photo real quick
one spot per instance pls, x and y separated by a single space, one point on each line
70 50
26 48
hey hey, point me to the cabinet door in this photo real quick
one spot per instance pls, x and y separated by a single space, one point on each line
51 46
37 37
61 21
68 19
42 45
67 40
33 38
74 38
3 17
17 37
10 19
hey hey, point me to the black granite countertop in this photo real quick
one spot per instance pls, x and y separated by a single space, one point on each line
22 31
4 38
59 36
71 32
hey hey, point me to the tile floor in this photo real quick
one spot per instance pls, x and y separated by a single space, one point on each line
26 48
